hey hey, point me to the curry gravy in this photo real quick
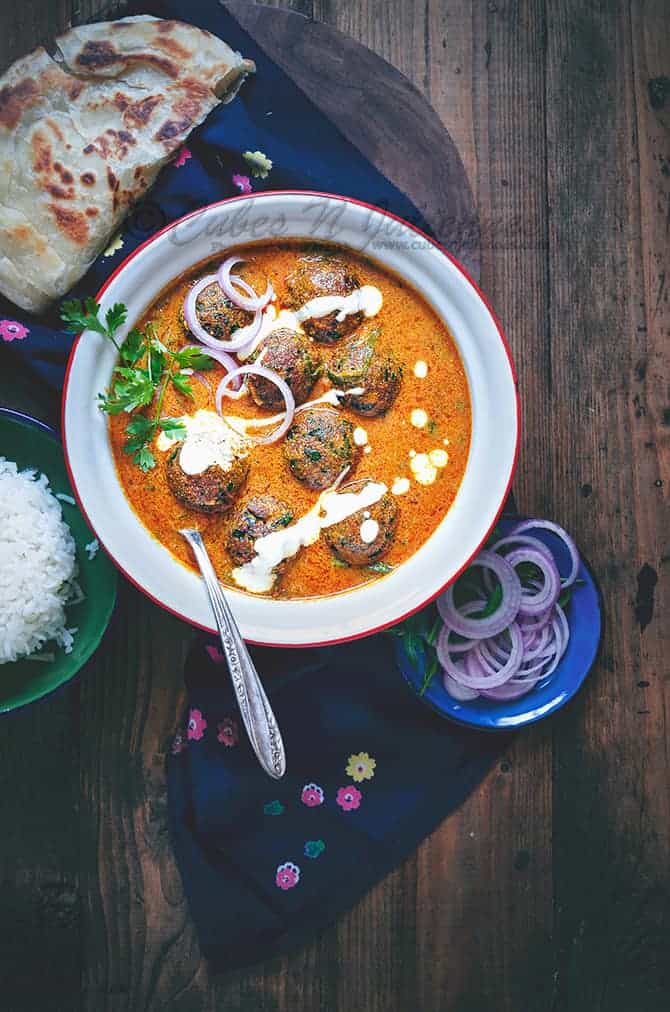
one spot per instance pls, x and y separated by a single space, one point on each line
434 392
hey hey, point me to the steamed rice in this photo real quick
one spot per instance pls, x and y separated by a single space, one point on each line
37 565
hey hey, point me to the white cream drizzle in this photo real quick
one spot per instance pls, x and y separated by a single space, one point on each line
420 369
206 449
360 436
209 440
424 466
400 486
367 300
418 418
369 531
259 574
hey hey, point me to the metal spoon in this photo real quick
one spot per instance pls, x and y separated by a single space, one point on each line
255 708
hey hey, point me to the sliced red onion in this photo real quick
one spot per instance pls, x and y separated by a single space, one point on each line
538 601
458 691
239 339
203 381
273 377
231 285
222 357
548 525
482 628
510 690
477 674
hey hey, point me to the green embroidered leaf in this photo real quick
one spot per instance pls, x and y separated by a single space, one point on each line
273 808
314 848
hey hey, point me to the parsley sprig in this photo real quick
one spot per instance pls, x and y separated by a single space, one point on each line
147 367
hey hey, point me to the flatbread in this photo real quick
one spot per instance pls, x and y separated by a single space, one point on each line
84 135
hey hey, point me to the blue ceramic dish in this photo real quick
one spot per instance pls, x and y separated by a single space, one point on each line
585 620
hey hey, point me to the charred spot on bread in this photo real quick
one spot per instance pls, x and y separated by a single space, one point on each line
15 100
71 223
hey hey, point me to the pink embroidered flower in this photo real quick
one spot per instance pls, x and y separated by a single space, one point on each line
312 795
243 183
348 798
10 330
182 158
229 734
196 725
179 743
288 875
215 654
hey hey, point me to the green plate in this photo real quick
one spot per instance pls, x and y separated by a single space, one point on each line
32 444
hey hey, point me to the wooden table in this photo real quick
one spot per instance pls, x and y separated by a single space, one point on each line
549 889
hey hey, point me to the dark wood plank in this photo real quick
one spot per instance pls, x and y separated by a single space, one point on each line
608 327
379 111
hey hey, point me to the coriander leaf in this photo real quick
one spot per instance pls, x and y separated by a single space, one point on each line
133 348
428 674
156 362
379 567
158 344
80 316
193 358
140 426
134 443
137 392
145 459
173 427
182 384
115 317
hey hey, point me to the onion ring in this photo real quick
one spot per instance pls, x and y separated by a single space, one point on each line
239 339
231 283
273 377
222 357
482 628
548 525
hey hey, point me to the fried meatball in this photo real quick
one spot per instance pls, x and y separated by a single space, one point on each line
348 540
213 490
218 315
260 515
359 364
318 446
293 357
323 274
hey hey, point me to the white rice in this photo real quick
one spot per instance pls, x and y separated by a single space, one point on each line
37 565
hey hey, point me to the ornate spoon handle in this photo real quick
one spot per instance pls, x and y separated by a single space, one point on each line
255 708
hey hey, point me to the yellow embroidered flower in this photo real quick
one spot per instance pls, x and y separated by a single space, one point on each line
115 244
360 767
258 162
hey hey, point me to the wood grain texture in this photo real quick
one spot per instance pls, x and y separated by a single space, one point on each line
379 111
549 889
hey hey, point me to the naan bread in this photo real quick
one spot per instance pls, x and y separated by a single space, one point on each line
84 136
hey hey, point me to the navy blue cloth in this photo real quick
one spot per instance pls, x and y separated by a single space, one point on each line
370 771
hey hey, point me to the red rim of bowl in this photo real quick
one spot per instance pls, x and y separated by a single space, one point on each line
457 265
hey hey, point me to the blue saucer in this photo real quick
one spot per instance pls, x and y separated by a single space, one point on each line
585 620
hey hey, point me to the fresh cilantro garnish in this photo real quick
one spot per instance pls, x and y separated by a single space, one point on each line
182 384
380 567
146 367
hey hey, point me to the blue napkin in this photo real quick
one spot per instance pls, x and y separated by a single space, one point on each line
266 865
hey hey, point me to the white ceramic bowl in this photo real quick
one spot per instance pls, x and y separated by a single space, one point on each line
495 410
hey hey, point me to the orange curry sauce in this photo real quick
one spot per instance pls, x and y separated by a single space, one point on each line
415 333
